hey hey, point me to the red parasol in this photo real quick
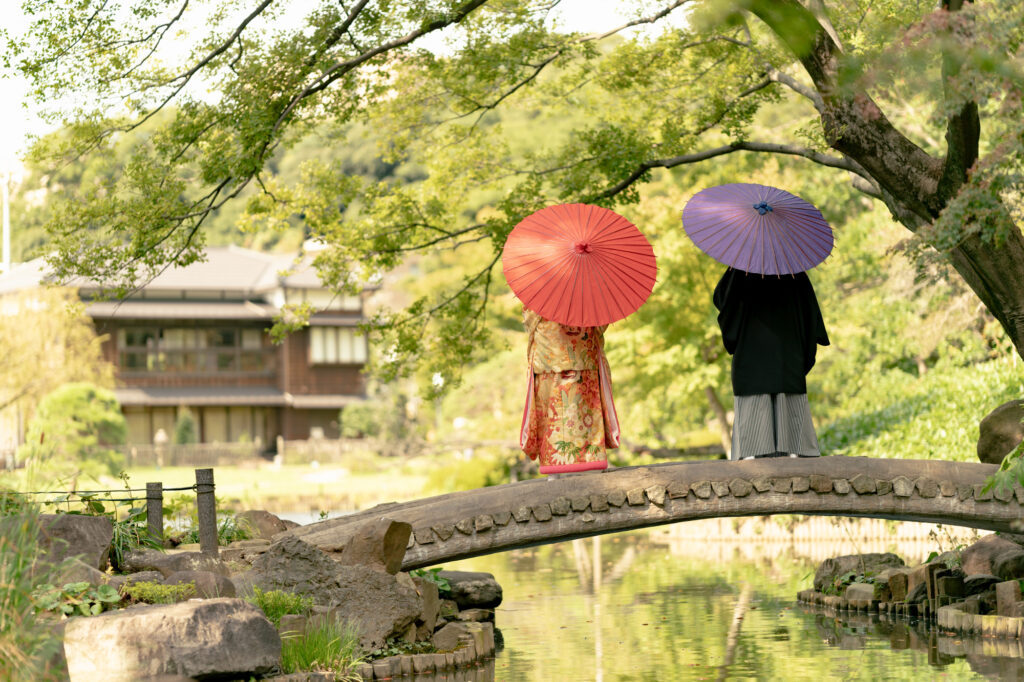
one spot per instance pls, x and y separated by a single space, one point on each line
579 265
756 228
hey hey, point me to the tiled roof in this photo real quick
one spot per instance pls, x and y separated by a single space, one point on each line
228 395
200 395
226 268
180 310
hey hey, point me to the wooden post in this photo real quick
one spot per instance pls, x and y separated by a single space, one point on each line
206 508
155 510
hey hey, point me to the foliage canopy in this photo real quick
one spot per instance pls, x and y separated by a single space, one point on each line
483 111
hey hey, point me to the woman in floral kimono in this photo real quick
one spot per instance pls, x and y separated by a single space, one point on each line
569 421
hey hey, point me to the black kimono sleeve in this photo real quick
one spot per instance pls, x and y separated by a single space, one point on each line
728 299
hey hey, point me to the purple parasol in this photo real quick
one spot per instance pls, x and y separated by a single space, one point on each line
757 228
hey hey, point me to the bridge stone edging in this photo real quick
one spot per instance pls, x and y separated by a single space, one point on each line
481 521
738 487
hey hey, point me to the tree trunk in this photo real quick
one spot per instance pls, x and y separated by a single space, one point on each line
996 274
916 186
724 427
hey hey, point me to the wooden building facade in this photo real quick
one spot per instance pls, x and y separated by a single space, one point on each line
196 339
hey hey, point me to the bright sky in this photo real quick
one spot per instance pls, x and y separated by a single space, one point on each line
18 121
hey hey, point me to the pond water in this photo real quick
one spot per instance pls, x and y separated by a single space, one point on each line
641 606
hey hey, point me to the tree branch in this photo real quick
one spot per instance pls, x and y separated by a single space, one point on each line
186 77
166 27
797 87
339 69
853 123
770 147
637 22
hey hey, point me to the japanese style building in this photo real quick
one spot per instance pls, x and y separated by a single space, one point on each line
196 338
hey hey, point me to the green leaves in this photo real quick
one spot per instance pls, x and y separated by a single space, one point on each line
444 586
79 598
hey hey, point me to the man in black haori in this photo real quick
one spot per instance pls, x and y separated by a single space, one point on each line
772 326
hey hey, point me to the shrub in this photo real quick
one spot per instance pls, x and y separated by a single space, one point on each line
157 593
327 646
483 468
185 430
26 643
931 417
73 428
275 603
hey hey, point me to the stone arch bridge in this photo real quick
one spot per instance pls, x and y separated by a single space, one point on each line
474 522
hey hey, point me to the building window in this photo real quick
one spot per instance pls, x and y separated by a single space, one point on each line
336 346
182 350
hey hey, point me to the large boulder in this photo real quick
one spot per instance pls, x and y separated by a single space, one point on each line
470 589
375 602
213 638
431 600
294 566
260 524
69 535
382 546
372 600
861 564
1001 431
982 556
76 571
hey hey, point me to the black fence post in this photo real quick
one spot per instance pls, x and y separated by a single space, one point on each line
206 507
155 510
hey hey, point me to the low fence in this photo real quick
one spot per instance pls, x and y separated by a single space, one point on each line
206 504
332 450
192 455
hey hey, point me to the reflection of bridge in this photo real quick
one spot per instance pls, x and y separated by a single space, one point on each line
470 523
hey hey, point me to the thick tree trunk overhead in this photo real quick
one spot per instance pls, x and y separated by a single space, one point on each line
915 186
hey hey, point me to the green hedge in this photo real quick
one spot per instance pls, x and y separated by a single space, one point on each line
898 415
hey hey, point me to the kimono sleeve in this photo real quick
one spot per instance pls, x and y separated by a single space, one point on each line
814 331
728 299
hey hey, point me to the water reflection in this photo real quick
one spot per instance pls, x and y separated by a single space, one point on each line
1001 659
642 606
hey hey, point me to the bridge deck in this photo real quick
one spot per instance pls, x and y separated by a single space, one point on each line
474 522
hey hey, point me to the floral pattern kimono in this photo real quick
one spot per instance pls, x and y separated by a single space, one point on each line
570 419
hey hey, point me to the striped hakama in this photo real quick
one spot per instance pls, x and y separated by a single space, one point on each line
765 424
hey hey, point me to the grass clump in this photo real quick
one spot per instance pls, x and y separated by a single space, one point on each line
324 647
27 643
156 593
275 603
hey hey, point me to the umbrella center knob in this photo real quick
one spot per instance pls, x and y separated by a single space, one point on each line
763 207
583 247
